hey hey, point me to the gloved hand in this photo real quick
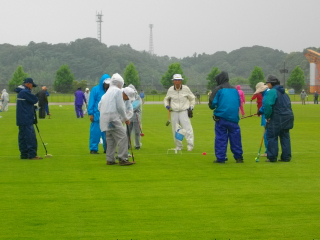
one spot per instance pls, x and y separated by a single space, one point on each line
168 107
191 108
259 113
190 113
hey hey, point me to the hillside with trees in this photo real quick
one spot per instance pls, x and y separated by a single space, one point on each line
88 59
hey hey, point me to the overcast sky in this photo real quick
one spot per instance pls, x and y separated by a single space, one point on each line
181 27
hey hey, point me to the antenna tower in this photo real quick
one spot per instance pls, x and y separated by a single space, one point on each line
99 21
151 40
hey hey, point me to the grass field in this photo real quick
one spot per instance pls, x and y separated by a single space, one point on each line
75 195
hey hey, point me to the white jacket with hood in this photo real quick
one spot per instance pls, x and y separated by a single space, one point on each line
112 107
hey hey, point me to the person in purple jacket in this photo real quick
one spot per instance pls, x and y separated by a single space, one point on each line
78 102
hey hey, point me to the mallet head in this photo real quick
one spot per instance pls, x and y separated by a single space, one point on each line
168 123
142 134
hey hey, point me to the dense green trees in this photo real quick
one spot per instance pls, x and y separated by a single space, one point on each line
131 76
17 79
64 79
256 76
296 79
211 78
89 59
166 79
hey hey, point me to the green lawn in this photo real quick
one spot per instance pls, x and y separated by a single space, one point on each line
75 195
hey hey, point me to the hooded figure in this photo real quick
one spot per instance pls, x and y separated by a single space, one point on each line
113 114
5 100
242 99
95 133
225 101
279 115
43 101
136 118
86 95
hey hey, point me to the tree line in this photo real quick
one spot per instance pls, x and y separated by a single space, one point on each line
83 62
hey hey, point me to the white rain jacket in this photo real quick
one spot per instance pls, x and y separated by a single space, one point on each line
179 100
112 109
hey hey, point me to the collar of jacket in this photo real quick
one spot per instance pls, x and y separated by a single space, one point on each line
174 87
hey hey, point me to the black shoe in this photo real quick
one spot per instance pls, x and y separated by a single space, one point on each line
23 157
137 148
281 160
268 160
124 162
111 163
104 151
94 152
240 160
216 161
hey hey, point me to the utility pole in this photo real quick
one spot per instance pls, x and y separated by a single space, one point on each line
284 71
99 21
151 40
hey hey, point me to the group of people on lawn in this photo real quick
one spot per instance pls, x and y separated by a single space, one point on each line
110 106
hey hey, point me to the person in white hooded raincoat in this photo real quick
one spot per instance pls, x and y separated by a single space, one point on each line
5 100
179 100
112 115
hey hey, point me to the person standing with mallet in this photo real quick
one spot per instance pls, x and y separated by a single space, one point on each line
180 100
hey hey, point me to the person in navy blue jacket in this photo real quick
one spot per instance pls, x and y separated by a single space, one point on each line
225 101
25 119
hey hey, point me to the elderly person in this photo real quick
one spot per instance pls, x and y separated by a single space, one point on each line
279 117
43 101
95 96
112 115
303 96
180 101
5 100
25 119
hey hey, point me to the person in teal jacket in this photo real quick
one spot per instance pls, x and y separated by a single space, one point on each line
279 117
95 96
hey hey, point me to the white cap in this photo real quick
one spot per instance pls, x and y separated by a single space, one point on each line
177 77
107 81
87 89
129 92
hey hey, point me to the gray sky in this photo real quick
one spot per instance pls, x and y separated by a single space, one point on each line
181 27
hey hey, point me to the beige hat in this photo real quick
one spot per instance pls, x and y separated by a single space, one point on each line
260 87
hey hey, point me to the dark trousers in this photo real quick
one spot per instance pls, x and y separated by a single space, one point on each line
79 111
273 133
227 130
42 111
27 142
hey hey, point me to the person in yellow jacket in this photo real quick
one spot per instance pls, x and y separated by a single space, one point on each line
180 101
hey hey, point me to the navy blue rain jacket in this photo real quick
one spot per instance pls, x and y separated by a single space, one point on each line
225 99
25 106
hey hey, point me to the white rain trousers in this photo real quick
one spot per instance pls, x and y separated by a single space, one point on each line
183 120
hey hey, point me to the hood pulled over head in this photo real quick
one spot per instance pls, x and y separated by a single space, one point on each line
222 78
116 80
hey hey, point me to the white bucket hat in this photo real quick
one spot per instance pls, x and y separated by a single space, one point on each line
177 77
260 87
129 92
107 81
87 89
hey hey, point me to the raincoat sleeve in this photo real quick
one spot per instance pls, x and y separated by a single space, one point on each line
271 98
129 109
91 102
121 109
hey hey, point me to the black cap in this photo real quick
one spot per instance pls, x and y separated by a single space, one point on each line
30 80
272 79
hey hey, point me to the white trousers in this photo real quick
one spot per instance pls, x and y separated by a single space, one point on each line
183 120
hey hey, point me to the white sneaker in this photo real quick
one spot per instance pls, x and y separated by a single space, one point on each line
263 155
190 149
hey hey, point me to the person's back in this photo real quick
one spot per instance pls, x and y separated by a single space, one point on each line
79 97
25 113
